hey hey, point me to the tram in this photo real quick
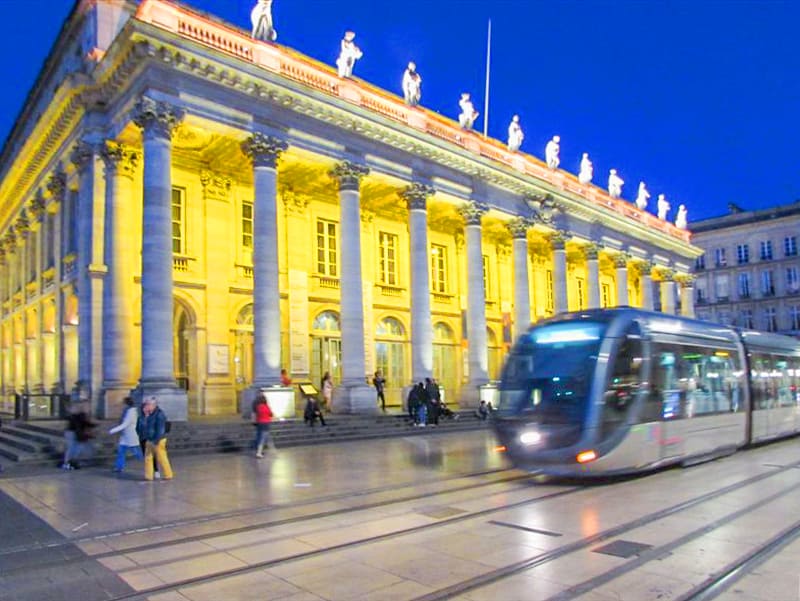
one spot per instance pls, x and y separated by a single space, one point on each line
617 391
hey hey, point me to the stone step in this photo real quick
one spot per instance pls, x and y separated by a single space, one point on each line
23 444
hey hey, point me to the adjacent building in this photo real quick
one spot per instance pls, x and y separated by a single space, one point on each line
185 211
749 274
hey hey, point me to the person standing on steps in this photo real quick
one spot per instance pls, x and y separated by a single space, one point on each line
327 391
152 428
128 440
380 385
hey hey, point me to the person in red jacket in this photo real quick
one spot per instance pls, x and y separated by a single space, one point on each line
262 416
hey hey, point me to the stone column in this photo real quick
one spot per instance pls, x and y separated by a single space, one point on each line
264 152
10 246
57 186
118 377
646 284
522 291
687 296
23 230
478 358
590 251
668 292
4 322
353 394
560 298
416 197
157 121
37 213
621 265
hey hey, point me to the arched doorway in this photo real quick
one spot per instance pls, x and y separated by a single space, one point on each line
494 354
390 357
243 348
326 347
445 361
184 351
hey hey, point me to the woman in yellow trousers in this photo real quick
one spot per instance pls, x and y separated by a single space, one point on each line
152 428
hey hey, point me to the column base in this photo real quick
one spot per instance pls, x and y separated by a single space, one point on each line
172 400
354 398
473 392
113 394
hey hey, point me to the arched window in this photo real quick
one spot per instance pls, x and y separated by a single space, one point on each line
245 317
327 321
442 332
389 326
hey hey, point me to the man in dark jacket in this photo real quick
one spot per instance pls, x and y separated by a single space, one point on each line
152 428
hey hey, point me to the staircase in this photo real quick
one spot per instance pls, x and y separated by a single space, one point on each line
41 443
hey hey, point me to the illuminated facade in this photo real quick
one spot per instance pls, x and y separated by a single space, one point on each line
186 211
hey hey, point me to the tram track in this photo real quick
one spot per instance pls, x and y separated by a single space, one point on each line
478 581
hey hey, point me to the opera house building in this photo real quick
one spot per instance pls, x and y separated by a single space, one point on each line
186 210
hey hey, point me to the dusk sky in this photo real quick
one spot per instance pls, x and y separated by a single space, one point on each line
700 99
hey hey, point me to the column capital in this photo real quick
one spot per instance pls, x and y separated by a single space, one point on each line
22 225
37 206
263 150
591 251
119 158
473 212
348 174
82 155
621 260
416 195
57 185
687 280
9 241
645 267
156 119
666 274
558 239
518 227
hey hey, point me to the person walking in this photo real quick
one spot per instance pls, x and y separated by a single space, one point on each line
262 416
380 384
152 428
77 436
327 391
129 439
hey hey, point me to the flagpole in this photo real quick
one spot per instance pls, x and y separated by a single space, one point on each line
486 92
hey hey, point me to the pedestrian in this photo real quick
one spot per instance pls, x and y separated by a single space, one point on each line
327 391
434 405
152 428
483 411
380 384
128 440
285 379
262 416
77 436
312 412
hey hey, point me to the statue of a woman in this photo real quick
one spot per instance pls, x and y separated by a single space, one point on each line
468 113
412 85
348 55
663 207
551 152
614 184
681 218
515 135
642 196
261 18
587 170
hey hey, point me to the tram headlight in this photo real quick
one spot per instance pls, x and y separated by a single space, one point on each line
530 438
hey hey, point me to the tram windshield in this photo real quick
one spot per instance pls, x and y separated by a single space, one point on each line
549 373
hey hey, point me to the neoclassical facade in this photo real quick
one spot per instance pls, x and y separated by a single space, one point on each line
184 211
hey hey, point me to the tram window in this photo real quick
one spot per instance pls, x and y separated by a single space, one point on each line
624 381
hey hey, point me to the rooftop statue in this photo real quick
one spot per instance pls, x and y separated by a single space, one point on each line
515 135
261 18
587 170
468 113
412 85
680 220
642 196
615 183
551 152
663 207
348 55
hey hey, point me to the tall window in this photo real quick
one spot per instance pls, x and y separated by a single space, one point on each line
770 320
720 260
742 253
550 302
326 248
721 287
605 295
746 318
767 283
50 248
700 262
485 263
766 250
178 221
744 285
792 283
580 287
247 224
438 268
794 318
790 246
387 255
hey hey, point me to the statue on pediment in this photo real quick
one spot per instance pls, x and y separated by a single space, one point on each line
515 134
615 183
261 18
412 85
551 152
348 55
587 170
663 207
681 221
468 113
642 196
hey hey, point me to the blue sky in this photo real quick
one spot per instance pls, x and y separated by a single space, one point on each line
699 98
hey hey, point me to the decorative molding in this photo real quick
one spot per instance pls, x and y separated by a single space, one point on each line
119 158
348 175
155 118
57 185
590 251
263 150
215 186
416 195
294 203
518 227
473 212
82 155
503 252
23 225
621 260
645 268
37 206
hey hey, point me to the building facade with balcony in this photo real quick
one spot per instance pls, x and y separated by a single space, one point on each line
185 211
749 274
